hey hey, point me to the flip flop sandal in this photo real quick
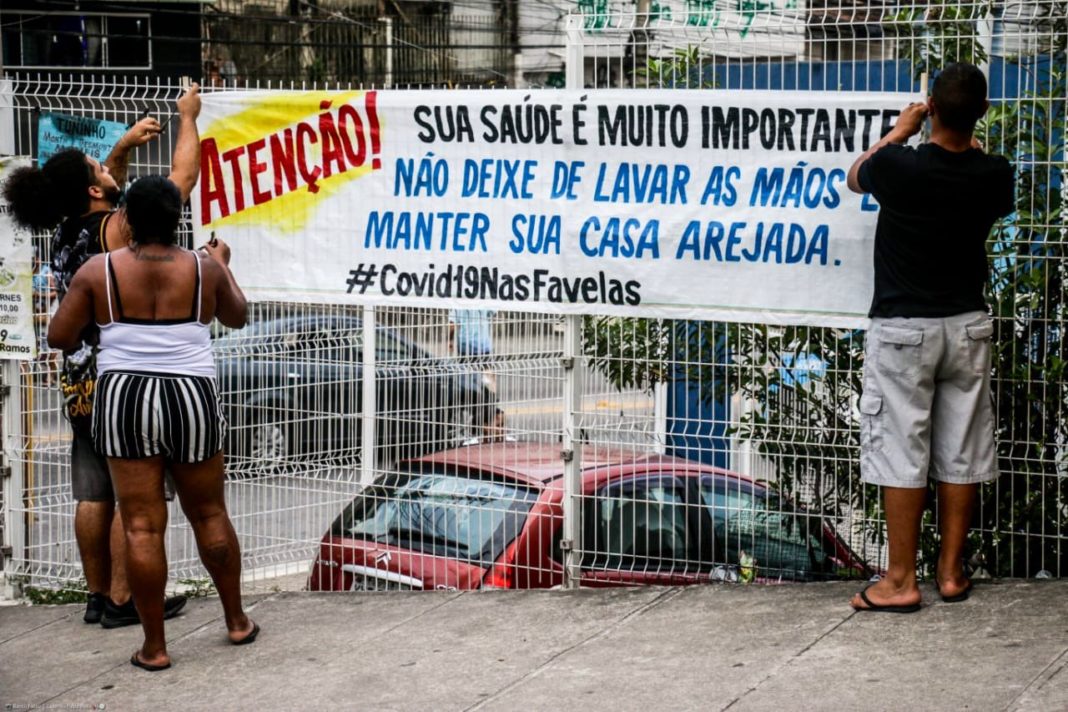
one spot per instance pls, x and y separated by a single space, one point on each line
137 662
878 608
956 598
250 638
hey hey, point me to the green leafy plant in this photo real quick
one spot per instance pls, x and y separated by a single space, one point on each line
197 587
683 69
69 592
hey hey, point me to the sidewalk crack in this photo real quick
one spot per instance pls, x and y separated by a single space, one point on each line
1039 681
788 661
37 628
422 613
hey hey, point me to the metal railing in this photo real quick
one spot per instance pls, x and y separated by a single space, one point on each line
620 450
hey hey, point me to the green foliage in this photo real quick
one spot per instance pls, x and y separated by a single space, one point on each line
69 592
1023 516
805 420
631 353
932 35
197 587
682 70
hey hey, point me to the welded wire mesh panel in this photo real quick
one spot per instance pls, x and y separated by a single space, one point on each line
777 406
292 388
480 516
701 450
50 555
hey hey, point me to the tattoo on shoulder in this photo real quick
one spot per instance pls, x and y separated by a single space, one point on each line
155 258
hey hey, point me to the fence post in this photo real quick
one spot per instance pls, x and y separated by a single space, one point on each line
369 404
660 413
574 57
572 362
12 475
572 451
387 41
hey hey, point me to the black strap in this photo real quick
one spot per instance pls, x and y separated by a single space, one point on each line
115 290
195 315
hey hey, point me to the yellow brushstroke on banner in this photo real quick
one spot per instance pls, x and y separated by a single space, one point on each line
266 116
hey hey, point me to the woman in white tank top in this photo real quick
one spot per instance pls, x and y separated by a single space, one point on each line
157 405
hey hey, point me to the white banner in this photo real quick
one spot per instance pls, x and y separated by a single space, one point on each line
689 204
16 279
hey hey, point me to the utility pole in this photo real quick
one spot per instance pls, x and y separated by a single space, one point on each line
512 10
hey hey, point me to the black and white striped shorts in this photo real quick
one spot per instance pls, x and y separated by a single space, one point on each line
138 414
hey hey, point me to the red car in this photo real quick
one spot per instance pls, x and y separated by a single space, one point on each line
490 516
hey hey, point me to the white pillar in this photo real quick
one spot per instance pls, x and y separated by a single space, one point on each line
572 362
369 404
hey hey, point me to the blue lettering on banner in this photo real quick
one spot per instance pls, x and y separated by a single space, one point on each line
868 204
719 189
620 237
774 243
498 178
809 188
565 178
431 178
442 230
642 183
539 234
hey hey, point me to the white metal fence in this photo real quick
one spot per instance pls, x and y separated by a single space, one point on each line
620 451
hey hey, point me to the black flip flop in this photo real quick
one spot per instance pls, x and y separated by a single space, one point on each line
956 598
877 608
251 637
137 662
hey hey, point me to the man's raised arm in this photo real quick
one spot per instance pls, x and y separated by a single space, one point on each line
185 164
118 161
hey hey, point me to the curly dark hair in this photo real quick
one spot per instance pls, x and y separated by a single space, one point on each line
153 210
40 198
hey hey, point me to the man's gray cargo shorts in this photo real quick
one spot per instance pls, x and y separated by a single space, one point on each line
926 407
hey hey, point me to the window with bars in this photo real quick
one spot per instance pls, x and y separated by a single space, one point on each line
76 40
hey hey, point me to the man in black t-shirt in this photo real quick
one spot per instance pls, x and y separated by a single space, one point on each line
81 195
926 409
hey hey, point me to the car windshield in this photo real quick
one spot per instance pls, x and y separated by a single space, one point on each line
460 517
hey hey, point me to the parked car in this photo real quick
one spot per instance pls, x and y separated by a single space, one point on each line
491 516
291 389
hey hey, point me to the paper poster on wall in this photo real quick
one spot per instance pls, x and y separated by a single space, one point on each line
16 279
95 137
687 204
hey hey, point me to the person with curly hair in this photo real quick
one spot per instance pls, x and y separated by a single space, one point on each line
80 199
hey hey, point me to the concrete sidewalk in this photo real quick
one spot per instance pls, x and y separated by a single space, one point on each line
715 647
